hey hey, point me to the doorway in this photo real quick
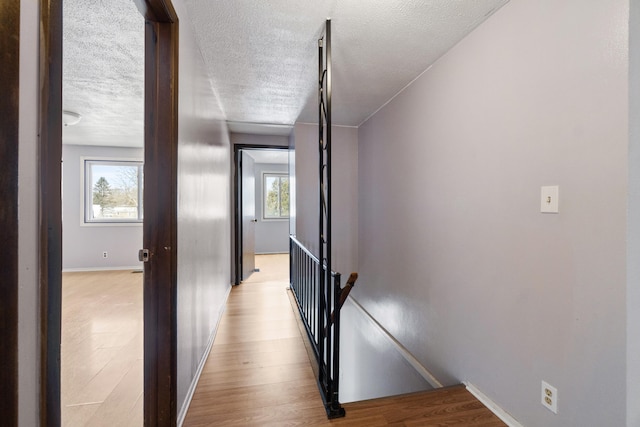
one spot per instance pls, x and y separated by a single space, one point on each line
262 206
159 227
103 159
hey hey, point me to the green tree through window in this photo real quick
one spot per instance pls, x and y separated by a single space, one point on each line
276 196
113 191
102 194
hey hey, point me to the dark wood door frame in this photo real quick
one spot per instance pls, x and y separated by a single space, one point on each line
161 140
160 197
9 143
50 213
237 208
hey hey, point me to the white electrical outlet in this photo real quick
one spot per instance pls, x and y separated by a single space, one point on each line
105 255
550 397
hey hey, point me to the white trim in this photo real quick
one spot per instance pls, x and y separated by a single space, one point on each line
493 407
74 270
263 196
424 372
84 192
192 388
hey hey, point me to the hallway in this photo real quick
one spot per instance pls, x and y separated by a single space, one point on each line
258 372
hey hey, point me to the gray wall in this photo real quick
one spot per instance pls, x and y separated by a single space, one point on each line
457 261
344 197
272 235
370 364
204 225
83 244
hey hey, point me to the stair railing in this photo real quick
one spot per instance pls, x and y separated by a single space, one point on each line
315 285
319 309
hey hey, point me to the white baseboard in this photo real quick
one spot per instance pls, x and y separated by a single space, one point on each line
84 269
192 388
498 411
424 372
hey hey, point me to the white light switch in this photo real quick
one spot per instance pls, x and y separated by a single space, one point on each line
549 199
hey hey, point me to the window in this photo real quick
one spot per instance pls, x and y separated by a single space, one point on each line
275 192
113 191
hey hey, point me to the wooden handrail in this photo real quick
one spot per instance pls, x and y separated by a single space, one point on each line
344 293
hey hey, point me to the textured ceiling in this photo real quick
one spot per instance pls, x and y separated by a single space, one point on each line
261 57
103 72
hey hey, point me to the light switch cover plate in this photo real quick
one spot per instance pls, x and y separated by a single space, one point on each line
549 199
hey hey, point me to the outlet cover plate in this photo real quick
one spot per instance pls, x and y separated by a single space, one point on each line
549 397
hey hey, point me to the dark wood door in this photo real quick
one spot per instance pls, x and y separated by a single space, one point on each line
9 114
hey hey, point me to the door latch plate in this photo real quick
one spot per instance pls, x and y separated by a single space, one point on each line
143 255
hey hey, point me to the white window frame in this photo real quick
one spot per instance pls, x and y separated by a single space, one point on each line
280 175
87 191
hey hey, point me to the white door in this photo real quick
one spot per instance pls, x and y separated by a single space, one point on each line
248 215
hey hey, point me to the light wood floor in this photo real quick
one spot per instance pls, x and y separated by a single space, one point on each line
258 372
102 349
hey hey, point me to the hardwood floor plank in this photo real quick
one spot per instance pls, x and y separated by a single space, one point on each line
443 407
282 344
250 377
254 396
101 348
122 400
78 415
239 361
